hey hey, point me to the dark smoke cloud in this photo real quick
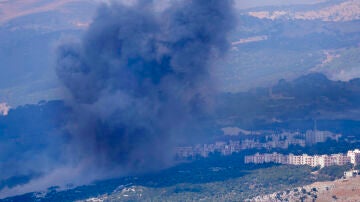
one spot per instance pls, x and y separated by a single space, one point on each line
139 79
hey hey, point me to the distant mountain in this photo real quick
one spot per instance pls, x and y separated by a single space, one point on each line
267 49
341 64
15 9
245 4
29 33
264 50
335 11
309 97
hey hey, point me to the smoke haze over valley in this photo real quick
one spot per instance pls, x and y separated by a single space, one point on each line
136 82
99 98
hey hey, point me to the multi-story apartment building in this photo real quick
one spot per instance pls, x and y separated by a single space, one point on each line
322 160
294 160
354 156
266 158
340 159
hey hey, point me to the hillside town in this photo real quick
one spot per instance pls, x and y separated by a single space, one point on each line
258 141
352 156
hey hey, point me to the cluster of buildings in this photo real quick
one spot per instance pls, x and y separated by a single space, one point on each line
352 156
225 148
267 141
314 136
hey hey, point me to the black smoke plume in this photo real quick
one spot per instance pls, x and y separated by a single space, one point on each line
139 79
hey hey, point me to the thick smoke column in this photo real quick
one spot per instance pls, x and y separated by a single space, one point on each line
140 77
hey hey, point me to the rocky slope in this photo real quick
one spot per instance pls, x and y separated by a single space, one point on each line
340 190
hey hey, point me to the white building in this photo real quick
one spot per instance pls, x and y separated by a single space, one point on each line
295 160
317 160
266 158
340 159
354 156
351 173
324 160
